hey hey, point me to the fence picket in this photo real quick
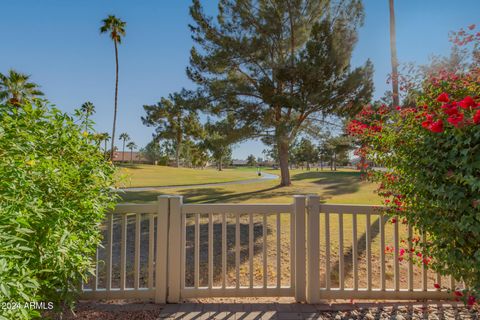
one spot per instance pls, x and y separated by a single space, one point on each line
381 220
123 251
264 248
237 250
410 258
279 254
136 266
368 236
250 249
396 241
313 256
151 248
210 250
355 252
109 251
341 267
327 251
224 251
196 258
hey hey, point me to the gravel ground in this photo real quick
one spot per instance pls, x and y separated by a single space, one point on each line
279 308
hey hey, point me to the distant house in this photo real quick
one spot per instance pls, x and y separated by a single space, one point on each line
135 157
239 162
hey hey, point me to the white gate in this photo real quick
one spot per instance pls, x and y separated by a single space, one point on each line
169 250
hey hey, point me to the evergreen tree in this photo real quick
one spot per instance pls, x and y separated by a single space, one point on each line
251 161
174 119
275 64
220 137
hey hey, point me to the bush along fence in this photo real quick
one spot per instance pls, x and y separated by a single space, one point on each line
167 251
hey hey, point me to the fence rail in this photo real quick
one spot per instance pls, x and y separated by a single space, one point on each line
168 250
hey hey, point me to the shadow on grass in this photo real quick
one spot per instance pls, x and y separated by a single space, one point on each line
203 195
128 166
333 183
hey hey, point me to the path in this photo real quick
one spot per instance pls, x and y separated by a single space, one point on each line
267 309
264 177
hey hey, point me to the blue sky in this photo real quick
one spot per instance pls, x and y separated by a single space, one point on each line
58 43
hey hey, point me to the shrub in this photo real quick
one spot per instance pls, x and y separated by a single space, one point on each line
55 187
432 156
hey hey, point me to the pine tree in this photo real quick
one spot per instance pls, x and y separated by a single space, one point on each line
275 64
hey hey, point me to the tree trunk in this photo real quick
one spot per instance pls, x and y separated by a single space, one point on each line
393 50
115 108
220 167
177 156
283 160
131 156
335 161
123 151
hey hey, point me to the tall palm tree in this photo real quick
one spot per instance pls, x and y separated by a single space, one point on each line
393 51
125 137
105 139
131 145
87 109
15 87
116 28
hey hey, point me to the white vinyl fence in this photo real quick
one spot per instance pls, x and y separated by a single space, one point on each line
168 251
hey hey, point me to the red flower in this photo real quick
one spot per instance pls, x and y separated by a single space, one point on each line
437 286
471 300
476 117
458 294
455 119
443 97
450 109
471 27
437 126
467 102
426 124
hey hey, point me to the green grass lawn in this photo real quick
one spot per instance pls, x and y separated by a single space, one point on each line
144 175
343 186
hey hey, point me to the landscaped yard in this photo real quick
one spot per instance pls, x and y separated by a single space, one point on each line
144 175
343 186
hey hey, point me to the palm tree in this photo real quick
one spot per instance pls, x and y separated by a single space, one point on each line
16 87
87 109
393 51
116 28
131 145
125 137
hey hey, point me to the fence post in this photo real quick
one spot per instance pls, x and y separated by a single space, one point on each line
300 270
313 249
162 250
175 234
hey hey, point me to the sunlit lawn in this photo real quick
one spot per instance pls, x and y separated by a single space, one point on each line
144 175
343 186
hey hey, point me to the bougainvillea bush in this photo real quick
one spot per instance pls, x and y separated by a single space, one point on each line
55 186
431 153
